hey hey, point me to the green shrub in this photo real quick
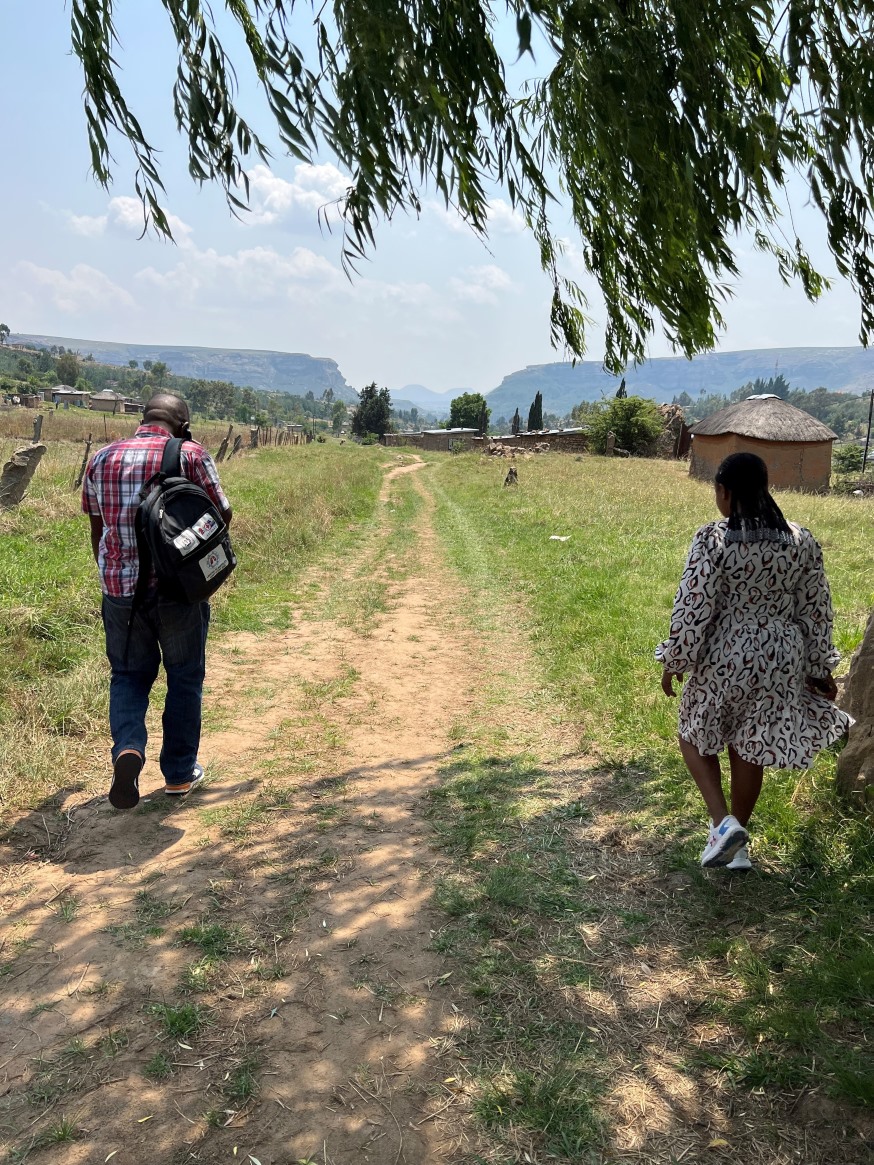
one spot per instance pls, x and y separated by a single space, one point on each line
636 422
847 459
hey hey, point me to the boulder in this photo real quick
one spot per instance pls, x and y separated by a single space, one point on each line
855 774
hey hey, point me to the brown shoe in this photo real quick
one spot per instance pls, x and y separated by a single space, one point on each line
124 793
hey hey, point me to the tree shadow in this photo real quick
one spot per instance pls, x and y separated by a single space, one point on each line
266 921
638 954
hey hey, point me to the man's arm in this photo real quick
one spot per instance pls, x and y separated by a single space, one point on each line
96 533
202 470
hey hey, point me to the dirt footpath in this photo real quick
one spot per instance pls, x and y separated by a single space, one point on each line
283 911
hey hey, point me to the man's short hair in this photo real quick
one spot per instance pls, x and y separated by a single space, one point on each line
167 408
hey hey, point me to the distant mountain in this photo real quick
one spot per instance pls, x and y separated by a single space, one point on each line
292 372
435 402
564 385
426 413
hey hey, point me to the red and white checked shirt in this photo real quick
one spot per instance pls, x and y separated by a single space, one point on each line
111 491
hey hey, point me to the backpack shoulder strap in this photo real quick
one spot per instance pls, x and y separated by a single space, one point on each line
171 466
171 462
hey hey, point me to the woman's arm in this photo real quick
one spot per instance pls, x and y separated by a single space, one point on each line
695 606
814 615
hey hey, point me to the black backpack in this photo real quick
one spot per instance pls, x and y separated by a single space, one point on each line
181 533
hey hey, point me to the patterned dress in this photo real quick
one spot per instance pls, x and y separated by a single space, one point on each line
751 620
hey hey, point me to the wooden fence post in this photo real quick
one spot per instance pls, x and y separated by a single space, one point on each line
78 482
223 448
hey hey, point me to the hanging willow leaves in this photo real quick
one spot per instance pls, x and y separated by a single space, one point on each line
666 128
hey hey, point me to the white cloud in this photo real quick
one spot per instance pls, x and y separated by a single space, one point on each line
254 275
504 220
76 293
481 284
313 188
501 217
88 225
125 216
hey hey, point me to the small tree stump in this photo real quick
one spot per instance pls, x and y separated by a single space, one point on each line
17 474
855 773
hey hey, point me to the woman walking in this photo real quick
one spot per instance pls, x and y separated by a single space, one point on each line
752 627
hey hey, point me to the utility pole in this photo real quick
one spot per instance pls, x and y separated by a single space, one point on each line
868 435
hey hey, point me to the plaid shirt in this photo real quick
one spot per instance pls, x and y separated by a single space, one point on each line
111 491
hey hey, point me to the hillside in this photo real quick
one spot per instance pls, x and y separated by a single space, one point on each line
564 385
292 372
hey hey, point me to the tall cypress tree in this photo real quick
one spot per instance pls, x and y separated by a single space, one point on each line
535 414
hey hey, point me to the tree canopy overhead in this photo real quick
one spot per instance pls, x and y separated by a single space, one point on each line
666 126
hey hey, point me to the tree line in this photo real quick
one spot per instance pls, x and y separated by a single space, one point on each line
844 412
38 368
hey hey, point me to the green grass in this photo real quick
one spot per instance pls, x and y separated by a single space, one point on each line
60 1132
288 503
216 941
158 1068
180 1022
149 912
515 908
594 608
242 1082
600 602
237 821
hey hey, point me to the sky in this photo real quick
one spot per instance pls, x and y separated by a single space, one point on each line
433 305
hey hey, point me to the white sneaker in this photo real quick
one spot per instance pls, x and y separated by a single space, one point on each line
741 860
723 843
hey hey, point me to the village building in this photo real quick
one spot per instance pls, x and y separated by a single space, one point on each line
108 401
572 440
796 447
63 394
436 440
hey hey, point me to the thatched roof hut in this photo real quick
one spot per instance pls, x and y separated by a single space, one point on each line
796 447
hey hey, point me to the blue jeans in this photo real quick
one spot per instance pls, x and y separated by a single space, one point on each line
176 633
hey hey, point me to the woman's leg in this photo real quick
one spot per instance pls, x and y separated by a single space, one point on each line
746 784
707 776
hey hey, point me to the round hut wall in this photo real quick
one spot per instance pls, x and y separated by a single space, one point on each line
802 465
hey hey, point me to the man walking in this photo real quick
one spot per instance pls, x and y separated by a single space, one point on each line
160 630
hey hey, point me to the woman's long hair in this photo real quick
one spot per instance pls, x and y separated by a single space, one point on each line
755 516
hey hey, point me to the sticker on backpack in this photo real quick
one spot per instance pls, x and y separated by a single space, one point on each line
186 542
206 526
213 562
